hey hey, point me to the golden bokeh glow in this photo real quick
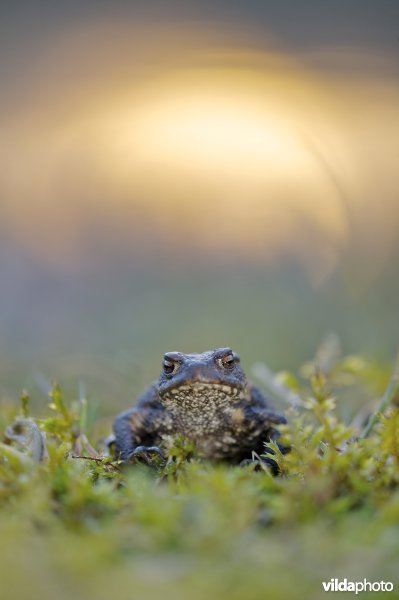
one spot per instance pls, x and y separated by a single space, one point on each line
235 152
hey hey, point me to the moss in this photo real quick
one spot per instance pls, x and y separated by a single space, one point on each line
89 528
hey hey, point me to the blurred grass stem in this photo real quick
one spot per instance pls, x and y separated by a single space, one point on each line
392 392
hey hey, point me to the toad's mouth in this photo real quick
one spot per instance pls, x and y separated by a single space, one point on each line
211 391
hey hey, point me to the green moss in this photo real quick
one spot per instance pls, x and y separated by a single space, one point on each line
80 525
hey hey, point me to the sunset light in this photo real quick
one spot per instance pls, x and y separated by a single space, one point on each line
259 155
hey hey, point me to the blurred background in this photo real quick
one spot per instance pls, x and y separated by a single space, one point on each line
187 175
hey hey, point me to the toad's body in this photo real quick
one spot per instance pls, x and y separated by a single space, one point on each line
207 398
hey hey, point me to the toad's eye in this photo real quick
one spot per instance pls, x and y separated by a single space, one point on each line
228 361
169 366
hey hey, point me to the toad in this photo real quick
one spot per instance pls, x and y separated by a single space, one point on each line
206 398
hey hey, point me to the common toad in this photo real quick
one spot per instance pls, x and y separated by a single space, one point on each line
207 398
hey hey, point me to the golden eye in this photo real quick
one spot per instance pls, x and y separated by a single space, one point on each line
169 366
228 361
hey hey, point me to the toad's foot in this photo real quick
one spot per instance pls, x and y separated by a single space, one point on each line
263 464
144 454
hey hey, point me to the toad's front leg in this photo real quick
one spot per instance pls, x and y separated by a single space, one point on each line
136 435
258 427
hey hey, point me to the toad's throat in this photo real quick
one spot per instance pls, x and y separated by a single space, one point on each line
202 402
